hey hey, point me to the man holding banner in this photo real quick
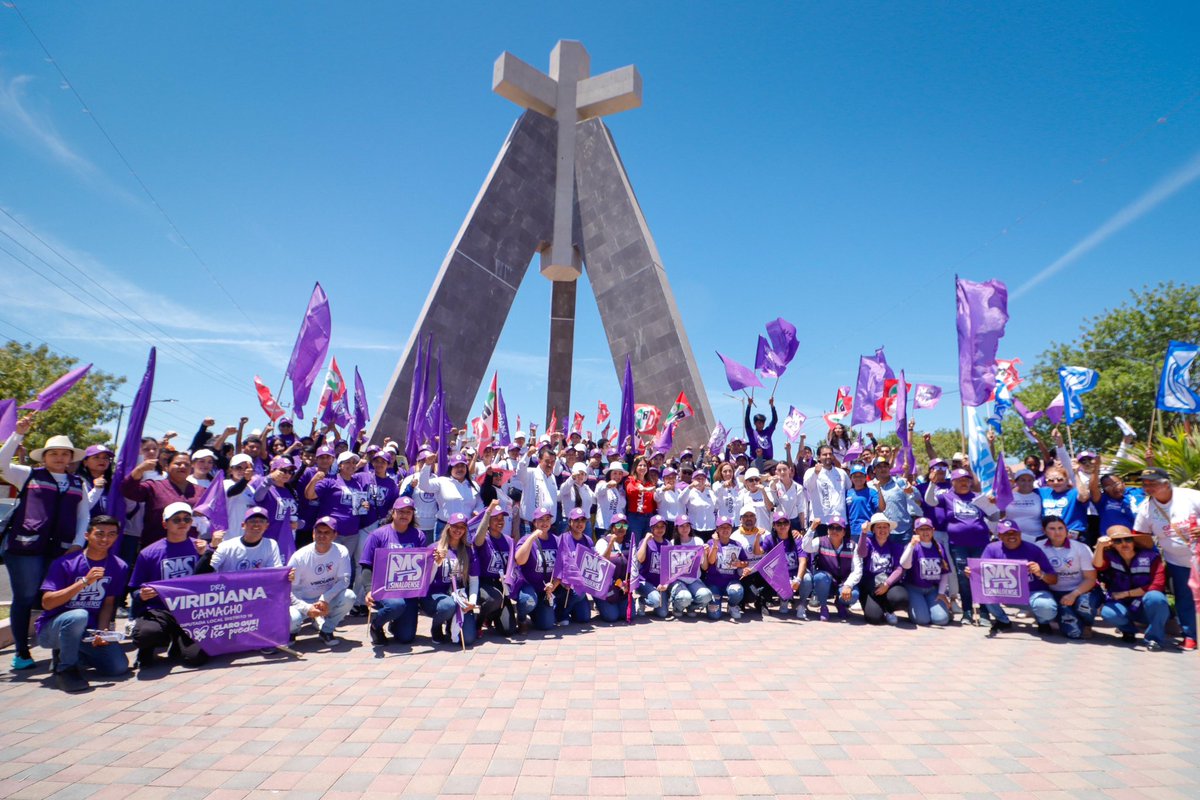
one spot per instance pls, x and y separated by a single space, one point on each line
1026 582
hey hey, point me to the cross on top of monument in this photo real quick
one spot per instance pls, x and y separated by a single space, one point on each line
569 95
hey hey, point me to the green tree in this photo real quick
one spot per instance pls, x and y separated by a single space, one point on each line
1127 345
26 370
946 442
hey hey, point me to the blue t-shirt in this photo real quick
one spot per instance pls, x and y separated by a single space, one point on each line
1118 512
1066 505
860 505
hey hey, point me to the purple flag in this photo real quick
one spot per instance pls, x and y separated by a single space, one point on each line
774 569
512 578
856 450
212 505
998 580
665 440
8 418
716 442
131 447
681 562
416 406
1002 486
361 413
1054 411
504 439
627 426
925 395
783 339
739 376
308 354
767 361
442 421
596 573
982 315
872 372
50 395
566 568
228 612
401 572
1028 416
905 459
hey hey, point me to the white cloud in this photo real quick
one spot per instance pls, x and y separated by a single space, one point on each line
34 129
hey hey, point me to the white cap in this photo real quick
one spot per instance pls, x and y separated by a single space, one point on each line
958 457
255 432
174 508
579 469
580 448
346 456
240 458
203 453
519 435
751 473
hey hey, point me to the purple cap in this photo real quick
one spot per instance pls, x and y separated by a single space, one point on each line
96 450
595 453
938 462
285 420
741 455
835 521
330 521
281 462
668 473
402 502
722 521
456 460
324 450
682 519
424 453
618 519
255 511
386 455
922 522
514 446
538 513
686 454
779 516
1007 526
458 518
498 511
577 513
959 473
1086 454
372 449
657 519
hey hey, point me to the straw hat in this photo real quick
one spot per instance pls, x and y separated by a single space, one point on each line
57 443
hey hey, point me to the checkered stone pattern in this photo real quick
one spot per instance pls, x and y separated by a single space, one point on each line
678 708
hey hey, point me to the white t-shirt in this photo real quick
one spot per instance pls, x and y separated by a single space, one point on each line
701 508
1026 511
790 501
827 492
233 555
320 577
1069 562
1169 524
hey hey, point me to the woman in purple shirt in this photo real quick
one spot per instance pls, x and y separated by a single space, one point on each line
782 534
653 592
454 590
957 513
572 606
612 546
726 562
342 496
928 576
273 492
398 531
536 555
494 550
878 558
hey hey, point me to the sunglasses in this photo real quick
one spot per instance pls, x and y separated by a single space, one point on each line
181 518
1122 541
288 470
782 522
836 528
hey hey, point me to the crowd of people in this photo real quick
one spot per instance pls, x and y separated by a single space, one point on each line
501 516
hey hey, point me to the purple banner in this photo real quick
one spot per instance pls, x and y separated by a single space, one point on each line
401 572
228 612
681 562
998 580
774 569
596 573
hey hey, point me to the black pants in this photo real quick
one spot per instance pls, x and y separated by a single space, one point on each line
157 628
491 601
874 606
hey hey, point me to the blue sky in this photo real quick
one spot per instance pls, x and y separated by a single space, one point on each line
833 164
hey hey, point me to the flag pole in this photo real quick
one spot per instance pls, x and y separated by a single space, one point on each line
1070 444
962 431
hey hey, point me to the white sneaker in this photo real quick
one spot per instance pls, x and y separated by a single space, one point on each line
735 612
890 619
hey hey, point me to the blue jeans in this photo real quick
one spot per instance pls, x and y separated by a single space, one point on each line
527 600
1073 618
924 606
1153 611
572 606
1185 603
734 592
1041 603
824 586
400 614
692 595
25 573
654 600
611 612
959 555
441 607
638 525
65 634
533 604
339 607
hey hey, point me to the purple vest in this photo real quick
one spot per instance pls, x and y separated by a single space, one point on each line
45 520
838 562
1122 577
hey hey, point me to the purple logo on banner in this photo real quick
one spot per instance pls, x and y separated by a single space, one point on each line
681 562
228 612
999 581
774 569
595 572
401 572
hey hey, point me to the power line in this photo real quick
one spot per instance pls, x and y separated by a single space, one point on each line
128 166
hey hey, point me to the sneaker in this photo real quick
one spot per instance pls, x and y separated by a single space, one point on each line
71 680
378 637
358 611
563 623
955 608
23 662
801 611
890 618
523 626
145 659
123 613
1189 643
735 612
641 608
1129 637
1044 628
843 612
998 626
1153 646
328 637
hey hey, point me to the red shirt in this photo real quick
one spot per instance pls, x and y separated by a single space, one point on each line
639 497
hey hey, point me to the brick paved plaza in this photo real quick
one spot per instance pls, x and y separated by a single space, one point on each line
771 708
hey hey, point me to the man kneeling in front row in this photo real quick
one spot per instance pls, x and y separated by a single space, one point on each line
79 595
321 586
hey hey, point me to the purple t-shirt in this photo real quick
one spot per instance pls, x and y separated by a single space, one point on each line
388 538
345 500
440 584
381 494
1025 551
493 556
538 570
651 568
723 573
929 564
964 521
791 547
281 506
68 569
163 561
880 559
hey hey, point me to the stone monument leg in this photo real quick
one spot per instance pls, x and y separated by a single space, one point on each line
562 348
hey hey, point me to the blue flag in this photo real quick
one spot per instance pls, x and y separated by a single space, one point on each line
1075 382
1175 392
1002 405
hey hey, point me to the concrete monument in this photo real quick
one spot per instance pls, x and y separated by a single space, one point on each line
558 189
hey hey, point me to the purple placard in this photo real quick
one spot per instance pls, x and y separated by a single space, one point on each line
681 562
774 569
997 580
228 612
595 572
401 572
